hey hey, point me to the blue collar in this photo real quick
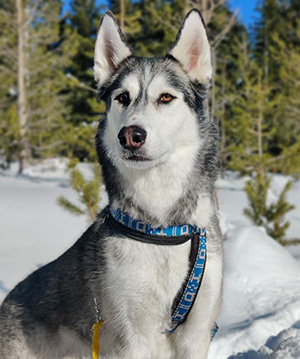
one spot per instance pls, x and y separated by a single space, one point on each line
140 226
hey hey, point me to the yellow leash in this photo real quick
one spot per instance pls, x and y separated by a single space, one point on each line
96 345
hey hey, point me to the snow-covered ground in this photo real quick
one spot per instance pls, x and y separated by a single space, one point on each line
261 310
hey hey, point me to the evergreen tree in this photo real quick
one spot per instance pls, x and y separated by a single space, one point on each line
286 124
88 192
269 216
276 212
84 20
269 23
10 137
128 14
252 107
225 86
32 69
277 52
257 190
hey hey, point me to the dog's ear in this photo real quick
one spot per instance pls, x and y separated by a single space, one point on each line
110 49
192 49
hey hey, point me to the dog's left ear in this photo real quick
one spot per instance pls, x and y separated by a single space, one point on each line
192 49
110 49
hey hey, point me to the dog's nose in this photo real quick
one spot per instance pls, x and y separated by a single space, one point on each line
132 137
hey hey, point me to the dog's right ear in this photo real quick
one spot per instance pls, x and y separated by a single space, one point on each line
110 49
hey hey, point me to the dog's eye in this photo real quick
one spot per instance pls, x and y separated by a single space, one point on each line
166 98
123 98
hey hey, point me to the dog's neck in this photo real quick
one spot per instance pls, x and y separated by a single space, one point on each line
164 195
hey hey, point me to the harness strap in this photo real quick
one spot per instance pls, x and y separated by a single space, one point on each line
192 258
186 296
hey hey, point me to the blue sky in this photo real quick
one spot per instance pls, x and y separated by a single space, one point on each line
245 7
246 10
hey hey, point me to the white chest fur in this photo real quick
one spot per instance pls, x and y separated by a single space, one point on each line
142 281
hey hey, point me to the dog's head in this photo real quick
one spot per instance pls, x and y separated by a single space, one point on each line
154 105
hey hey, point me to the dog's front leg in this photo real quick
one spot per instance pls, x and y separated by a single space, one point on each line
135 337
131 346
192 339
138 348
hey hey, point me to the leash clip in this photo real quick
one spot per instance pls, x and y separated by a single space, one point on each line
97 310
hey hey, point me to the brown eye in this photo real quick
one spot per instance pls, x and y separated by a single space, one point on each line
123 98
166 98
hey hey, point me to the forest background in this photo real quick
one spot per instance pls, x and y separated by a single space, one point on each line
48 96
48 105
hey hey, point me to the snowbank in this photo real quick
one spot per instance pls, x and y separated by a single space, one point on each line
261 292
285 345
33 229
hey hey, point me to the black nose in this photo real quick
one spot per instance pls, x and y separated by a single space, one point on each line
132 137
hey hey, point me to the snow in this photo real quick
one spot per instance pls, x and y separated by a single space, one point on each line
33 228
261 292
261 309
285 345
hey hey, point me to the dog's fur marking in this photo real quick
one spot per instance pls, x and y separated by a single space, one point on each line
50 314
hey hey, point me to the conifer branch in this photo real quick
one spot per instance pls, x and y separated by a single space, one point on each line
78 83
218 39
66 204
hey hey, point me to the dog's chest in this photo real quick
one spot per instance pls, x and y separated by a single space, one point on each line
144 279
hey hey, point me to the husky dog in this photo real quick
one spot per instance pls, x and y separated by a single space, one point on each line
157 148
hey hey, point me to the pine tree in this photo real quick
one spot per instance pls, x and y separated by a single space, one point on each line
10 138
84 20
88 192
276 212
257 190
128 14
252 107
285 142
271 217
225 86
277 48
32 69
269 23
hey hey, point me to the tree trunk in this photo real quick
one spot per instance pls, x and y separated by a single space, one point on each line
259 133
259 124
122 15
187 7
203 9
22 108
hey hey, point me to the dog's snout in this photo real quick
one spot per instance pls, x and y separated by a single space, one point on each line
132 137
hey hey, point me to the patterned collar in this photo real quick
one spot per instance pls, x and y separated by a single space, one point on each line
140 226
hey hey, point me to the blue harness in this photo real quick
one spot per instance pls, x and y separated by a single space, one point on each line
172 235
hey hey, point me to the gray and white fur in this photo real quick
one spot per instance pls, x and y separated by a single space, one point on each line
157 148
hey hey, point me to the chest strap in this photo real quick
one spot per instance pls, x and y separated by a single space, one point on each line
186 296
